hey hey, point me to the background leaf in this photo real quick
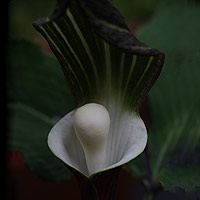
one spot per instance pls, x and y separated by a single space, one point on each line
187 177
137 10
38 96
36 79
23 12
175 98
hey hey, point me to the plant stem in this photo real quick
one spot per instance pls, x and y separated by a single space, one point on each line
148 167
101 186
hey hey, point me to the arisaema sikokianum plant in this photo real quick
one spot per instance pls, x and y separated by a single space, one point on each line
109 73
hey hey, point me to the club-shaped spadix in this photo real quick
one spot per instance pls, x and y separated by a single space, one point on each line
91 124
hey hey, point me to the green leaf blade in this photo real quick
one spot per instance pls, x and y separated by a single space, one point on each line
38 97
184 177
34 78
28 130
175 97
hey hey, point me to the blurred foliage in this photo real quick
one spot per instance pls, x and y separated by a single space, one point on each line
38 97
23 12
175 98
136 10
184 177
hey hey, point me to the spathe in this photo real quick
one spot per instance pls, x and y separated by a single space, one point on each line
127 139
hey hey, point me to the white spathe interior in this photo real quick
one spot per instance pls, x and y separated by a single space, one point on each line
127 138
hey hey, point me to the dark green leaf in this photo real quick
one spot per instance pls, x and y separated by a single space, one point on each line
185 177
35 79
137 166
137 10
38 96
175 99
28 130
22 12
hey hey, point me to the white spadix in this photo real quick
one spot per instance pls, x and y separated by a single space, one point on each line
91 124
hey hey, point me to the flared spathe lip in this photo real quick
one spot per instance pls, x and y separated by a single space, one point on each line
126 140
98 54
